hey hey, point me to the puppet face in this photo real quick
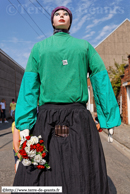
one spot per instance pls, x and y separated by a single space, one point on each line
61 19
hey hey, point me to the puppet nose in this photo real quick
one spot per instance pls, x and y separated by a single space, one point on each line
62 15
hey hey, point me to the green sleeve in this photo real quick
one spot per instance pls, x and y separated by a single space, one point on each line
26 107
95 62
106 103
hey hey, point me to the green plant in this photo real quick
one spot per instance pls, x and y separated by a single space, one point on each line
114 74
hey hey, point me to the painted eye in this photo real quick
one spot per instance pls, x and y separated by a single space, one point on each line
56 14
66 14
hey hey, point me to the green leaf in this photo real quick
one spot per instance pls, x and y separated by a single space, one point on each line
114 74
20 158
16 153
46 165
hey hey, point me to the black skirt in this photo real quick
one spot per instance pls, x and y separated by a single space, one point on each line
76 158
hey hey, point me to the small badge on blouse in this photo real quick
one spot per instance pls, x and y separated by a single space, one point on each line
65 62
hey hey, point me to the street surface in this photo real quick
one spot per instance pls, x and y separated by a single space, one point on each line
118 166
117 160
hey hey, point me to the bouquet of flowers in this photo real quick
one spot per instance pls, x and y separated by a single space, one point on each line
33 151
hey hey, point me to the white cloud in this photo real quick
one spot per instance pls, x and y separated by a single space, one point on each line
17 55
26 55
80 15
48 34
15 40
18 50
97 21
65 3
104 18
89 35
2 45
82 8
20 56
76 27
40 37
105 31
86 11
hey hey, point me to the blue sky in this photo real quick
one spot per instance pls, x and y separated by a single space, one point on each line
93 20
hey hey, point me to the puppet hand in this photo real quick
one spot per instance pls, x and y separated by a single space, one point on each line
24 133
111 131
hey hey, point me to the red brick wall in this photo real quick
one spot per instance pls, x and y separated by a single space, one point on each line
127 74
124 105
123 92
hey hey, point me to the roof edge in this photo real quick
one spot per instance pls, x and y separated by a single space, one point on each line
112 32
5 54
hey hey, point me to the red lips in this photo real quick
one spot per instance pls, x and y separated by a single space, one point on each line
61 20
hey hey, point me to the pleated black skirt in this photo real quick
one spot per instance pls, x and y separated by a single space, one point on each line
77 160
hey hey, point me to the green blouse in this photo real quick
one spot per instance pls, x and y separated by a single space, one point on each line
56 72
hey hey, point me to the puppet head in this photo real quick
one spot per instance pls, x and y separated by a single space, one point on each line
61 18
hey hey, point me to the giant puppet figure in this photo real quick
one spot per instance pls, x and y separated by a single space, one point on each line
56 73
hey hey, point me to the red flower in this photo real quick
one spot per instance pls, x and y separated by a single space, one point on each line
31 147
34 147
43 155
23 154
21 151
40 167
41 141
25 157
38 145
28 137
24 144
39 148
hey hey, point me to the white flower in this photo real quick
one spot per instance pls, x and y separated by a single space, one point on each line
35 163
26 162
32 153
34 139
29 142
27 149
42 162
37 158
39 136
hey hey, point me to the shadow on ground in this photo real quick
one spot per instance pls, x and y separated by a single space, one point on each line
5 125
112 186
